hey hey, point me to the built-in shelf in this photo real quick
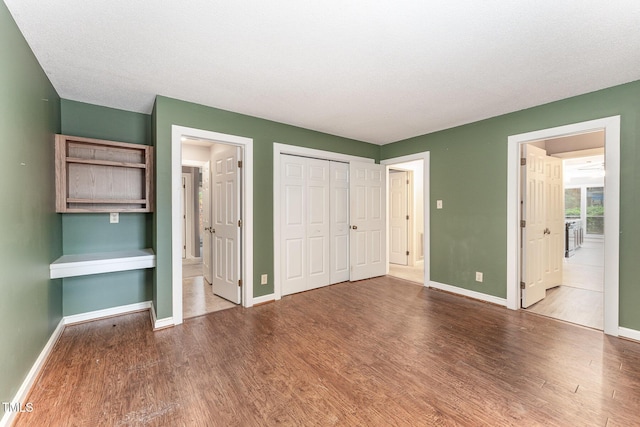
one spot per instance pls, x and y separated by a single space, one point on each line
94 175
104 262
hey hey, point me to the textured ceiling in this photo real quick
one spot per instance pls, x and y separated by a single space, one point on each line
377 71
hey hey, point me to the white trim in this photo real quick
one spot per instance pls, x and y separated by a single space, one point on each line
31 377
107 312
103 262
278 150
177 133
469 293
160 323
629 333
425 156
264 298
611 126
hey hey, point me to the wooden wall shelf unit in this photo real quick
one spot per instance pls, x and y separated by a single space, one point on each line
94 175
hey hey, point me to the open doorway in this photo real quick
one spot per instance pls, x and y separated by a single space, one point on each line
407 213
562 226
243 261
517 288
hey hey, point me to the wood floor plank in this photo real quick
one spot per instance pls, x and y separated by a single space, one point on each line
376 352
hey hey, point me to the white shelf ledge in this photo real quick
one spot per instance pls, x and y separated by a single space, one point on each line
105 262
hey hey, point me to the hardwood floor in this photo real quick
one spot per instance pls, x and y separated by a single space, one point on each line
375 352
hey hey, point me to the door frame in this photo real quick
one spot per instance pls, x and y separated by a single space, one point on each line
425 156
278 150
177 135
611 126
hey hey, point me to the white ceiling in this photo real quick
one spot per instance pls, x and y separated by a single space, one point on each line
377 71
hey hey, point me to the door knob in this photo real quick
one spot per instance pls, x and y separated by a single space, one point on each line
355 227
547 231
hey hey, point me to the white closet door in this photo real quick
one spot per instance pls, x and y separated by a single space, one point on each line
318 233
339 187
293 224
367 189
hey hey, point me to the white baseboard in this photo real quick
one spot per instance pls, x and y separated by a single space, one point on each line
468 293
156 323
629 333
107 312
264 298
24 389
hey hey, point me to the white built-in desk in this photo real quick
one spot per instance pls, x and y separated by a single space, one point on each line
105 262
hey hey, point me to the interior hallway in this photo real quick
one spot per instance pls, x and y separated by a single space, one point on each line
412 273
197 294
580 298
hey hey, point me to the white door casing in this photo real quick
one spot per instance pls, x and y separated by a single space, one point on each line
367 210
339 205
534 231
611 127
183 212
226 225
554 194
207 222
398 217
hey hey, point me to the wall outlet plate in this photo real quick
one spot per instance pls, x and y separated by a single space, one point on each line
264 279
114 217
478 276
438 204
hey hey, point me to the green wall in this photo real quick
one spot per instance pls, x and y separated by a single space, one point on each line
30 303
169 112
469 173
86 233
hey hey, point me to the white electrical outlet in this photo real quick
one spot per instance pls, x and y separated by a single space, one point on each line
264 279
114 217
438 204
478 276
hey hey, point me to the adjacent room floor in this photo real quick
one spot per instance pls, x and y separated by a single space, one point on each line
412 273
580 298
197 295
375 352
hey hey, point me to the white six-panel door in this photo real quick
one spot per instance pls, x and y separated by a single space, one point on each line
554 194
367 188
533 234
226 226
306 262
339 205
398 217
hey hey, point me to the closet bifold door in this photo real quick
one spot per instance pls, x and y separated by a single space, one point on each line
305 221
339 205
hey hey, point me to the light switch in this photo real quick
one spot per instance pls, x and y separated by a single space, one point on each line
439 204
263 279
114 217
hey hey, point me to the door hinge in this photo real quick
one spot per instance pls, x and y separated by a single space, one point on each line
184 247
523 161
522 285
523 223
239 282
239 163
239 223
407 253
407 216
407 181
